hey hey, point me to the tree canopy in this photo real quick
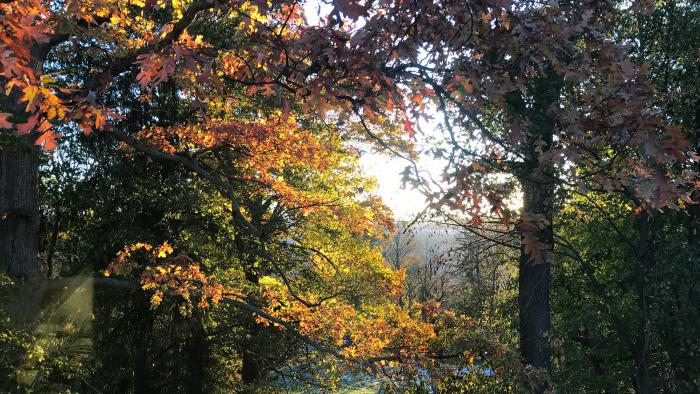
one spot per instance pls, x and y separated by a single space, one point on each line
193 166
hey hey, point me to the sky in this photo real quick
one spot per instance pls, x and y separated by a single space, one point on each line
405 202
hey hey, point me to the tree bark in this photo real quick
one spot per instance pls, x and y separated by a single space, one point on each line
19 189
534 278
251 370
197 350
19 212
644 225
143 327
537 179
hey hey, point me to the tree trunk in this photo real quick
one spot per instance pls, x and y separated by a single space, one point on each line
197 350
19 212
534 277
251 371
644 255
19 231
52 244
19 189
537 179
143 326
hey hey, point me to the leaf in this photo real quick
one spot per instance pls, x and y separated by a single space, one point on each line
26 127
533 247
47 140
408 126
164 250
477 167
30 93
151 68
467 86
4 124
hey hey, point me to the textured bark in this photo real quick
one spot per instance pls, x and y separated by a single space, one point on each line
537 180
19 191
19 213
250 370
534 278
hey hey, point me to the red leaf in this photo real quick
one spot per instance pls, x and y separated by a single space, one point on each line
26 127
4 124
407 125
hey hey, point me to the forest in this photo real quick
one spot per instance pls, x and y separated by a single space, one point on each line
186 204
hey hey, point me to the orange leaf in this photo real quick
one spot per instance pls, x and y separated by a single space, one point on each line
47 140
478 167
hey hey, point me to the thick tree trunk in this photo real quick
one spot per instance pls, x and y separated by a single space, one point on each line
197 350
534 277
19 189
537 179
19 212
19 231
197 370
250 370
643 378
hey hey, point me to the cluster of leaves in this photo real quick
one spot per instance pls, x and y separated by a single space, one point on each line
237 93
475 61
617 297
177 275
372 332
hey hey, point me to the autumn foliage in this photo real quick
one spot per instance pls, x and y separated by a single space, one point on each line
266 109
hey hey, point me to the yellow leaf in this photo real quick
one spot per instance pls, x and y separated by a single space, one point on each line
30 92
45 78
164 250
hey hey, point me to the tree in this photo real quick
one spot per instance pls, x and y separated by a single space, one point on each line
537 116
617 295
625 263
550 96
399 246
428 278
19 161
